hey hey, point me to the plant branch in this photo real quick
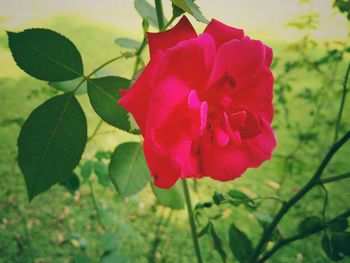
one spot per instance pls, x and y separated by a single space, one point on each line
296 237
334 178
96 130
342 103
191 219
285 208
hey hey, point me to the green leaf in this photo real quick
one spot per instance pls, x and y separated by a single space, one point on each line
218 244
104 94
339 224
101 170
177 11
218 198
147 12
310 225
86 170
113 257
171 197
128 169
127 43
70 85
329 249
109 241
72 183
341 242
46 55
240 245
192 8
238 195
204 230
51 143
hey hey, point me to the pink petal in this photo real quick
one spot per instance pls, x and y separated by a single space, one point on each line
240 59
223 163
268 56
260 147
256 93
222 33
191 61
183 30
162 170
136 99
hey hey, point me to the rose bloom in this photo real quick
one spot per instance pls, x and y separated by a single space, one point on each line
203 103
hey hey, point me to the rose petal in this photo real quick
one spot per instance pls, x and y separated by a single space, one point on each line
222 33
136 99
260 147
183 30
191 61
164 173
256 93
240 59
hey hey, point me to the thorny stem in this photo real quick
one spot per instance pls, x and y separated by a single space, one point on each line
342 103
284 209
296 237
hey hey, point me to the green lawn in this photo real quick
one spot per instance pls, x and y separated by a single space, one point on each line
56 226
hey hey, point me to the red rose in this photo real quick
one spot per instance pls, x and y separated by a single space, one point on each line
204 103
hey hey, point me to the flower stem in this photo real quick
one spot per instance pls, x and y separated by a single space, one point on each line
191 219
342 103
160 14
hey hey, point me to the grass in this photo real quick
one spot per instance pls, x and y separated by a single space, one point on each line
57 226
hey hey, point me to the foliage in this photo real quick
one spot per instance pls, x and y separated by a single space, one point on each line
53 138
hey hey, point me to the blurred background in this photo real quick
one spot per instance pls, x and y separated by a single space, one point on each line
311 46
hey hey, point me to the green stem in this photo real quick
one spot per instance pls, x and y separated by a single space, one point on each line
97 207
191 219
342 103
97 69
169 23
284 209
334 178
296 237
99 124
160 13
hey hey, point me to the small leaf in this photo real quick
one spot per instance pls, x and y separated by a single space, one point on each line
46 55
101 170
218 198
339 224
240 245
204 230
109 241
341 242
51 143
171 197
104 94
128 169
328 248
113 257
72 183
147 12
86 170
310 224
264 219
235 194
127 43
177 11
70 85
192 8
218 244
